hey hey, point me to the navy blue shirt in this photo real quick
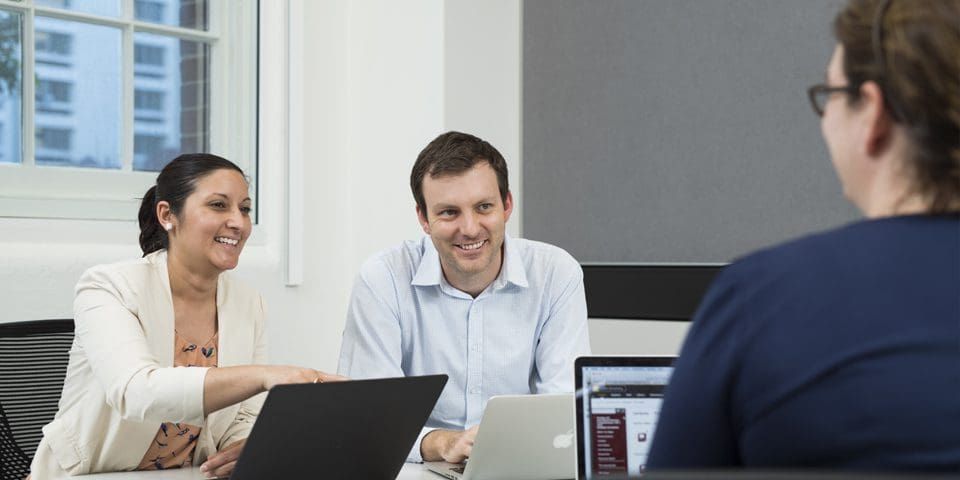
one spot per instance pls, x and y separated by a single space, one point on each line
839 350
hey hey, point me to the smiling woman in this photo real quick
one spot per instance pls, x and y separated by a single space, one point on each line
203 205
141 391
166 200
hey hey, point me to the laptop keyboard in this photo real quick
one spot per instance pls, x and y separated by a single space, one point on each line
458 469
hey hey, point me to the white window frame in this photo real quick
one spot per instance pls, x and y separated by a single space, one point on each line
28 191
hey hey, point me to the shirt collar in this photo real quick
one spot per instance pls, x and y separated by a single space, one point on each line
430 273
513 270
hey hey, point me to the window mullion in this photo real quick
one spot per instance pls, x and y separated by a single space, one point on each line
126 143
28 83
218 90
19 7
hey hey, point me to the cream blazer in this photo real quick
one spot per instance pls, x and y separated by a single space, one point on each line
121 383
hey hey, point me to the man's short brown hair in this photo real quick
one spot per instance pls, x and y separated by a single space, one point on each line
453 153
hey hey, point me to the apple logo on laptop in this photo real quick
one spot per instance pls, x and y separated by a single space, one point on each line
564 440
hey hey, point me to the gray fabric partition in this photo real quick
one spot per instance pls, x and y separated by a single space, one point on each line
675 130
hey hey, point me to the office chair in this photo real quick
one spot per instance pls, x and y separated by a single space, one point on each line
14 463
33 364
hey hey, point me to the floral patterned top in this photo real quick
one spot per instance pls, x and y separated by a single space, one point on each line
173 447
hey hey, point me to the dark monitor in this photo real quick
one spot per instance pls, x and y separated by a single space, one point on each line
646 291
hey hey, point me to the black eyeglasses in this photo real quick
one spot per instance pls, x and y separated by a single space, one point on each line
819 95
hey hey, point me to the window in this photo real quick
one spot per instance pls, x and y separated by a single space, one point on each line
148 100
51 138
150 151
53 42
56 3
145 144
118 88
148 55
148 11
11 33
53 96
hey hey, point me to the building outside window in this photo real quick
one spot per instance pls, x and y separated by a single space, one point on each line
55 43
53 96
121 86
148 55
149 11
150 100
52 138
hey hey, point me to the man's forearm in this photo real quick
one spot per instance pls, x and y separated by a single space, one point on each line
452 446
430 445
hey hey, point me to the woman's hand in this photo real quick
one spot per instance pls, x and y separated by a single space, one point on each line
222 463
280 375
225 386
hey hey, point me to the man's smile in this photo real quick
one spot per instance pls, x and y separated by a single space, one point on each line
470 246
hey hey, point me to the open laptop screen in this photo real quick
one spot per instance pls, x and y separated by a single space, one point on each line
618 403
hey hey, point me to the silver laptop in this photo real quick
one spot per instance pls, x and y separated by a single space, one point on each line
618 405
521 437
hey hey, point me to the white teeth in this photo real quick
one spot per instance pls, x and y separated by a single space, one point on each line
472 246
228 241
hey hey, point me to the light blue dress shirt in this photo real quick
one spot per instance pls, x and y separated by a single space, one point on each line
519 336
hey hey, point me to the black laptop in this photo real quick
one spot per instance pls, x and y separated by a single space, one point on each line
338 430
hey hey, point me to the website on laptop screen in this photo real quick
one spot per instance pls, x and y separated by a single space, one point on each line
620 410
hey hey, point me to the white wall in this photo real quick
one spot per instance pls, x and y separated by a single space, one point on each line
483 66
380 79
636 337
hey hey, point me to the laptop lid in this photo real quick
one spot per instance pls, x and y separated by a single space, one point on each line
521 437
349 430
618 403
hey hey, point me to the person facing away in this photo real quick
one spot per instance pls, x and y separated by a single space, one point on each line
499 315
841 350
169 354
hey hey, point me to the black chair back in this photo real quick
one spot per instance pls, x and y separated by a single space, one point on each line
33 365
14 464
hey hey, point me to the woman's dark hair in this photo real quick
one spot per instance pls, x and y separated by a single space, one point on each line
174 184
911 49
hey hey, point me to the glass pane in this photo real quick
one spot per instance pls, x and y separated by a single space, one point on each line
179 13
11 35
170 99
78 94
107 8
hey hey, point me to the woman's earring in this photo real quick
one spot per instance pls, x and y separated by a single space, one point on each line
168 226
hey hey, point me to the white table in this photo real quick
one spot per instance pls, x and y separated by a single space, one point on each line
410 471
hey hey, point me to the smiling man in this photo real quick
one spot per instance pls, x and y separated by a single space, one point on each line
499 315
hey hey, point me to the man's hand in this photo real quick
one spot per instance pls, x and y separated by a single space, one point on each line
222 463
448 445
